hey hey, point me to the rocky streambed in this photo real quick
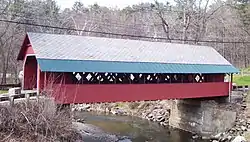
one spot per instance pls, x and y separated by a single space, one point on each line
156 111
159 112
116 128
92 133
240 132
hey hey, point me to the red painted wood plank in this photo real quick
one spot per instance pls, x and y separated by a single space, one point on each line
30 73
29 50
71 93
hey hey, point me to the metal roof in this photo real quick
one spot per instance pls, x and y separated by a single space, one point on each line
130 67
71 47
73 53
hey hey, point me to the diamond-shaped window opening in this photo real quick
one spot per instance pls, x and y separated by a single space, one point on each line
98 77
106 74
148 77
197 78
168 77
140 75
94 73
88 77
202 77
132 77
78 76
175 77
156 77
111 79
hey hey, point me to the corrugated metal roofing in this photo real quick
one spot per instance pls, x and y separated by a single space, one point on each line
71 47
130 67
70 53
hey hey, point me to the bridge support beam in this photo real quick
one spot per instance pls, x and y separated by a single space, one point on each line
204 117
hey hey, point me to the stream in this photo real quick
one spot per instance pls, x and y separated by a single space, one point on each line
109 128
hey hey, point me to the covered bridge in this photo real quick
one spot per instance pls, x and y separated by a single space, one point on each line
82 69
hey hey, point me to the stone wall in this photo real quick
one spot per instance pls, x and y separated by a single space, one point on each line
205 117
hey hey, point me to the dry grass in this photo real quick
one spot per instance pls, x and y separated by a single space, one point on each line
3 91
36 121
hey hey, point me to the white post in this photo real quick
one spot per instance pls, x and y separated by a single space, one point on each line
27 96
230 86
38 81
12 93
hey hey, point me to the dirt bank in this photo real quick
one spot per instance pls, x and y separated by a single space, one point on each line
157 111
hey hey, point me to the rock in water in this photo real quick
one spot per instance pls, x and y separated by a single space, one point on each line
93 133
124 140
239 139
229 138
195 136
217 137
160 118
163 124
243 128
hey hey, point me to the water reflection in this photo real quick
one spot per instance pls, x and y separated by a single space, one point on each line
136 129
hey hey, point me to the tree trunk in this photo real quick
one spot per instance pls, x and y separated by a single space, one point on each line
184 32
4 72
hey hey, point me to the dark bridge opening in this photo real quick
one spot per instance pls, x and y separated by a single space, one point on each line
139 78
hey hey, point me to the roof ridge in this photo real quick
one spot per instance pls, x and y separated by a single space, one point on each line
191 45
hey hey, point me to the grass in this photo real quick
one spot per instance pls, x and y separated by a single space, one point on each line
241 80
3 91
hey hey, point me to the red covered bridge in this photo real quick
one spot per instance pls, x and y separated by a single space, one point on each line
82 69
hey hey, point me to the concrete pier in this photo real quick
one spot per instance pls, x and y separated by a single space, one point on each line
201 116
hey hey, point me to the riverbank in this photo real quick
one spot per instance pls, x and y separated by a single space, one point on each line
159 111
130 128
156 111
241 128
240 132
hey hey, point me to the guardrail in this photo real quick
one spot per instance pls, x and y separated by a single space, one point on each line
8 86
17 93
243 88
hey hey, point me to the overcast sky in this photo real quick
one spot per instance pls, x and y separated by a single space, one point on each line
108 3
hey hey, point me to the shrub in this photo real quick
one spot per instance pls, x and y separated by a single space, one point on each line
36 121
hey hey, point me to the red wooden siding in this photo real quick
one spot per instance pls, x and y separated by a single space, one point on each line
29 50
48 79
25 49
42 79
72 93
30 73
